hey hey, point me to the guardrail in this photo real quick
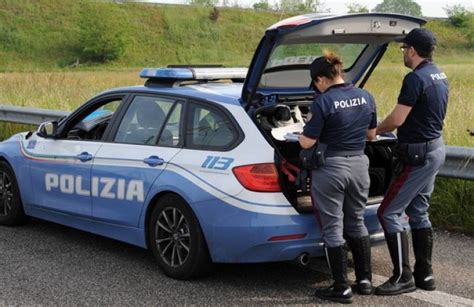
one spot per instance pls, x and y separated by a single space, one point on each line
24 115
459 160
459 163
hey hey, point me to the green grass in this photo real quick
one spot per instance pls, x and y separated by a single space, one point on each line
40 39
385 85
46 35
452 205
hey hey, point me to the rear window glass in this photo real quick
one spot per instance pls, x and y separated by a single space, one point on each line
288 66
287 55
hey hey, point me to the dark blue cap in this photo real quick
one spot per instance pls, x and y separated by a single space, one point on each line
317 66
423 40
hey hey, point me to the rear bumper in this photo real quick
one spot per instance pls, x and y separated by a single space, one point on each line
246 237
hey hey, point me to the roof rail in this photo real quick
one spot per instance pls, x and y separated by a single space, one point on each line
174 75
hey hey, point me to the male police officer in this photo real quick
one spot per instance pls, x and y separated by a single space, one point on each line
419 117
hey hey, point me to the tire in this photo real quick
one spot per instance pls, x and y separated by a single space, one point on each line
176 239
11 208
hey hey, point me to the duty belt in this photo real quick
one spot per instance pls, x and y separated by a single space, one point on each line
430 145
343 153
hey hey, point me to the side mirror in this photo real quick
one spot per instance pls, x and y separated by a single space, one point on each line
48 129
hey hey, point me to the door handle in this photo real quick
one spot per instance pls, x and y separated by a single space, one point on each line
84 156
154 161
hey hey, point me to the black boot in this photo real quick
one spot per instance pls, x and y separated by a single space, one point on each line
423 247
360 248
340 291
402 279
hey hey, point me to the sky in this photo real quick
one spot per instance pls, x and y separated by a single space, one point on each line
429 8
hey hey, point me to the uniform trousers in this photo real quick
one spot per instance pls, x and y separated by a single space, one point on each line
339 191
410 192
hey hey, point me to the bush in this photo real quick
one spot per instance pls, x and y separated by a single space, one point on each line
261 6
458 16
214 14
208 3
101 36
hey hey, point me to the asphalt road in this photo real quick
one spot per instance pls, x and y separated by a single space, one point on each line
43 263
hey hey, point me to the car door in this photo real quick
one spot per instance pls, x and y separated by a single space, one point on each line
144 140
280 66
61 167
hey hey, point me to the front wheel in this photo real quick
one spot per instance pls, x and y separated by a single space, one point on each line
176 239
11 209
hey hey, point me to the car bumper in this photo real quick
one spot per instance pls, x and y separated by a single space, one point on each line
239 236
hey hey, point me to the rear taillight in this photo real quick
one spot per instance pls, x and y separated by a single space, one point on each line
258 177
295 236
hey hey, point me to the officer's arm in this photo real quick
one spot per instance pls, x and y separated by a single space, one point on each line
306 142
372 134
395 119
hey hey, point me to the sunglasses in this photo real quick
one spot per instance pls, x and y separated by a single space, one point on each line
404 47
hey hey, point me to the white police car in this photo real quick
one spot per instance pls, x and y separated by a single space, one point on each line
195 168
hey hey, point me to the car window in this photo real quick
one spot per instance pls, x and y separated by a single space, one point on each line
92 124
143 120
171 134
285 55
209 128
288 65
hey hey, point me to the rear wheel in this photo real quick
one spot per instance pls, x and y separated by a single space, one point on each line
176 239
11 209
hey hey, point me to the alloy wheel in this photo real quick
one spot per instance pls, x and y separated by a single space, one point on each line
6 194
173 238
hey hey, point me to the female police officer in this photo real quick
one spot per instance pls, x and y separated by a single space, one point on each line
341 117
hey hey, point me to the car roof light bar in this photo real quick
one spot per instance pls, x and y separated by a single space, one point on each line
194 73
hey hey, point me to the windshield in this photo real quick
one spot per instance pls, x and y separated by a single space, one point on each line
288 65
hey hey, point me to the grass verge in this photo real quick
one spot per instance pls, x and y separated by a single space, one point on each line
452 205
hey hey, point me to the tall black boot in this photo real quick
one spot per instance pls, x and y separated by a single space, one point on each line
423 248
402 279
340 291
360 248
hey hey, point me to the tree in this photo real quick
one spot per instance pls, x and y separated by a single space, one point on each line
357 8
262 5
406 7
462 18
458 16
302 6
208 3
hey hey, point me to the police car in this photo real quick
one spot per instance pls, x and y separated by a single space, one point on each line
195 165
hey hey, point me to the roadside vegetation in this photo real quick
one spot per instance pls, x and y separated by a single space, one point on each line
57 54
85 34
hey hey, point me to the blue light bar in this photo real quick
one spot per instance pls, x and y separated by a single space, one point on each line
167 73
201 73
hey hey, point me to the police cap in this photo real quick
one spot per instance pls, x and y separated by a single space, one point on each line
423 40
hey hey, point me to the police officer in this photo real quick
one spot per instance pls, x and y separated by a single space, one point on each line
419 116
341 118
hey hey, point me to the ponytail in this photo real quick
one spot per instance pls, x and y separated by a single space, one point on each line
329 66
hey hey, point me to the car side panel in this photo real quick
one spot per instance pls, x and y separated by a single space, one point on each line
203 175
131 235
61 181
125 163
10 151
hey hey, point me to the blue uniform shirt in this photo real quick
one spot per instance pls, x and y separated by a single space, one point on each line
426 90
341 116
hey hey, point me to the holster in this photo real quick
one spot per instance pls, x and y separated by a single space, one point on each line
413 154
312 158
